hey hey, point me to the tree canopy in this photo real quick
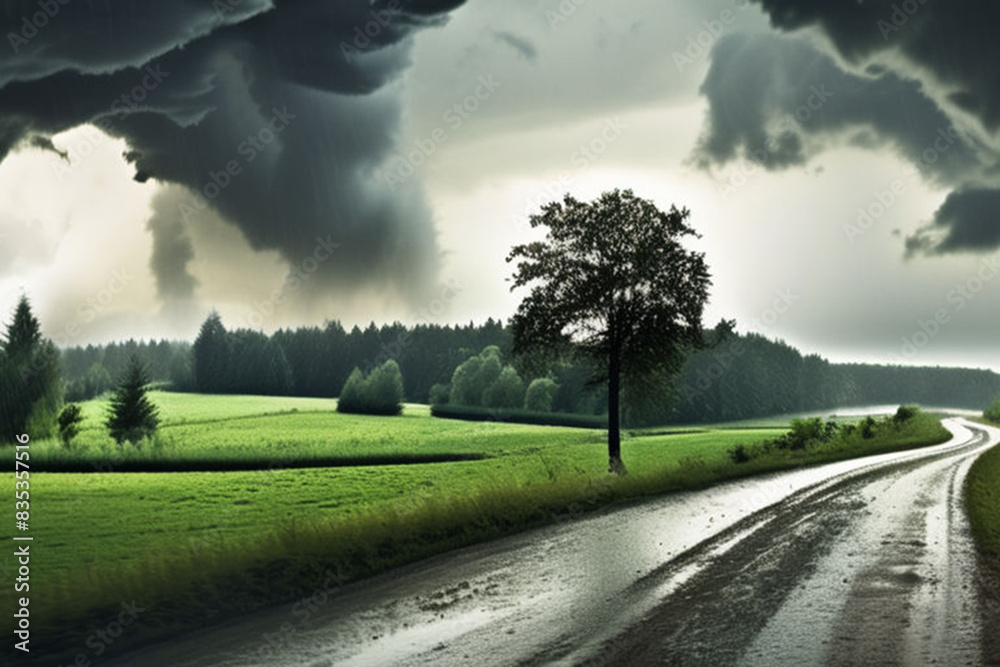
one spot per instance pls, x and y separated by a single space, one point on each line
612 278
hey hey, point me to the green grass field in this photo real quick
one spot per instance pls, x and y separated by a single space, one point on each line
236 541
984 502
983 496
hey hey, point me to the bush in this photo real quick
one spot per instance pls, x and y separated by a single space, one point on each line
475 376
806 432
69 423
439 394
905 413
868 427
992 413
740 454
381 393
352 396
507 391
540 394
385 389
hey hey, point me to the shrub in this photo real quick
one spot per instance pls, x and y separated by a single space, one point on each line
352 396
507 391
992 413
69 423
740 454
439 394
905 413
385 389
805 432
867 427
540 394
463 390
381 393
474 376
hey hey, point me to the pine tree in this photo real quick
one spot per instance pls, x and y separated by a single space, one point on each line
212 353
24 334
69 423
31 388
132 416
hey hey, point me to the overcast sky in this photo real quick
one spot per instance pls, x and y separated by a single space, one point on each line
841 160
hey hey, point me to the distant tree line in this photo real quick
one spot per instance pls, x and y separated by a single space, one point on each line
746 376
91 370
735 377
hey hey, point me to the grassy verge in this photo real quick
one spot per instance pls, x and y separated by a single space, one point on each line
196 548
983 500
982 496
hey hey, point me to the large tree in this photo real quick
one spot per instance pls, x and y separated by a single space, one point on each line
31 388
613 278
212 352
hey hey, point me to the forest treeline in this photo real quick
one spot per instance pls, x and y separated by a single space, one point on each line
737 376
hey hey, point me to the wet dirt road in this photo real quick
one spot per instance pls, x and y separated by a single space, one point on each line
865 562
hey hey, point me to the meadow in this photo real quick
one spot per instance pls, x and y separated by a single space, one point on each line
983 496
232 541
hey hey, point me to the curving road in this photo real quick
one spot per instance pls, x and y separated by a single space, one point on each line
858 562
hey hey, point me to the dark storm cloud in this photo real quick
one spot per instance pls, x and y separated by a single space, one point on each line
519 44
274 112
781 95
172 249
915 75
954 40
968 220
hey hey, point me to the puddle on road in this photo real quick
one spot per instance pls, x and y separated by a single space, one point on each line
418 639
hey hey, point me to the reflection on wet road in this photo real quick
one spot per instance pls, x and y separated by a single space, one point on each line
858 562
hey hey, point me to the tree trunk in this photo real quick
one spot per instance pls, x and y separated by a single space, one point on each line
615 464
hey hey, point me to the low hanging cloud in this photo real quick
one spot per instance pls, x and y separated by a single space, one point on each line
915 76
277 114
172 249
968 220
